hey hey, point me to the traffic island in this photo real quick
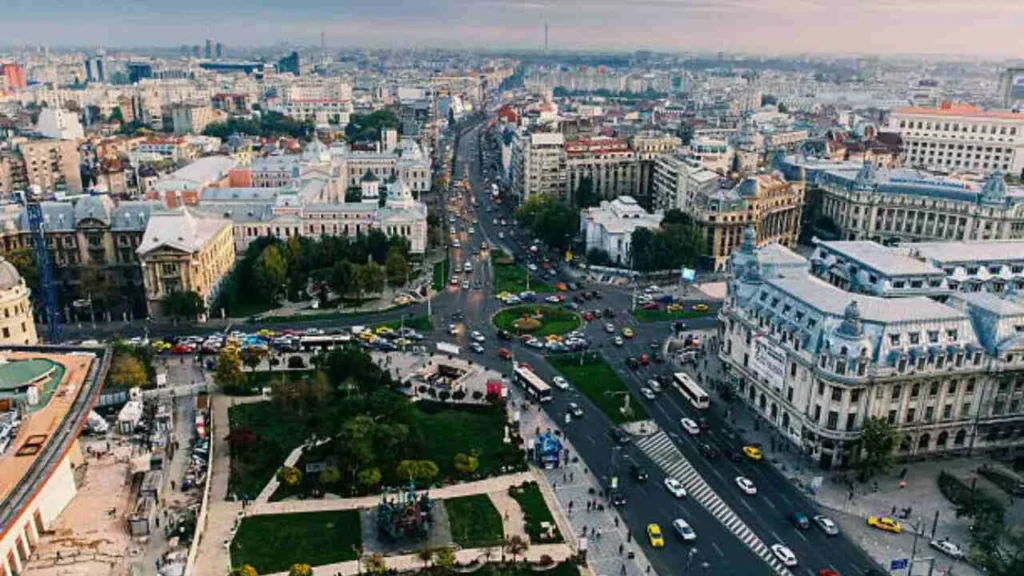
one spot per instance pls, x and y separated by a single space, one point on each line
599 382
537 320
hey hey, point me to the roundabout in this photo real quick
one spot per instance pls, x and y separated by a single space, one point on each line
538 320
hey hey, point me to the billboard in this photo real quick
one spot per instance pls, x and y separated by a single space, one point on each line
688 274
769 362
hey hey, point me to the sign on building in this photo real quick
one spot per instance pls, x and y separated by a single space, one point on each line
769 362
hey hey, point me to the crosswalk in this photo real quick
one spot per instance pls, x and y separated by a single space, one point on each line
662 451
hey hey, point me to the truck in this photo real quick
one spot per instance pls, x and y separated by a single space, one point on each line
448 348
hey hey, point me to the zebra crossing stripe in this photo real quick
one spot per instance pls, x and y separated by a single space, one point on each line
663 452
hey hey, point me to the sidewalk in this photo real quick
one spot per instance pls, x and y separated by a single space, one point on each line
570 487
850 503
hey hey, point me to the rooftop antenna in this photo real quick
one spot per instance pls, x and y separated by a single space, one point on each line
545 36
323 41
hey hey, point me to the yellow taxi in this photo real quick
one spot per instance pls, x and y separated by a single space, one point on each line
627 332
753 452
674 308
553 338
367 335
160 345
402 300
504 295
266 333
885 523
655 537
700 307
382 330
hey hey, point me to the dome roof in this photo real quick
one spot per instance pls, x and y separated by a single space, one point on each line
9 277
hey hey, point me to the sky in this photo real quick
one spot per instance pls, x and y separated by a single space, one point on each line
885 27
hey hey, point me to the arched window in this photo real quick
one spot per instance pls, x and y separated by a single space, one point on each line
905 444
941 441
924 441
958 440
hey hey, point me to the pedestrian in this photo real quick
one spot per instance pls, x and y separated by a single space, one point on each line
893 513
648 571
623 569
157 520
616 521
570 504
571 474
589 505
629 536
172 484
620 549
564 477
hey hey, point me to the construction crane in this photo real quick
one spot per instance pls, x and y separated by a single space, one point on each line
33 207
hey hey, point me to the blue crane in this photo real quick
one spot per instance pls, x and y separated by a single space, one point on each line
47 289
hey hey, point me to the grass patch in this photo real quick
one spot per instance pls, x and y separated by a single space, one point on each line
446 431
274 542
556 320
596 379
535 511
255 381
440 280
421 323
511 277
253 466
662 315
474 521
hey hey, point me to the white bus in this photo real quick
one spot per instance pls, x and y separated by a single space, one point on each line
691 391
323 342
537 388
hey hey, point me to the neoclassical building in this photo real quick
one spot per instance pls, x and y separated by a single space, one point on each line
816 361
16 324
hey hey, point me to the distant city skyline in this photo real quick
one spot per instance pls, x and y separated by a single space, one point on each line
883 27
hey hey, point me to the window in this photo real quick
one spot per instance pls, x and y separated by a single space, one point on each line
894 339
833 420
896 392
952 387
915 390
851 419
911 413
965 410
821 388
970 386
915 338
892 417
947 412
817 413
933 390
929 414
837 394
854 396
933 336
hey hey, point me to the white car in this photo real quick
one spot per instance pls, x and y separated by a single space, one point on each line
654 385
531 267
512 300
746 485
784 554
675 488
465 285
476 336
648 393
575 410
690 426
476 348
619 341
609 328
684 530
947 548
560 383
827 525
453 329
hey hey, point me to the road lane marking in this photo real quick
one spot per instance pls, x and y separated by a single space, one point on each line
717 549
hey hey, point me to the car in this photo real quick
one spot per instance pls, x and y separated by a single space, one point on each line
535 343
561 287
649 305
674 308
638 473
453 329
619 341
627 332
690 426
575 410
588 316
648 393
675 488
708 451
654 385
531 267
784 554
885 524
827 572
504 335
753 452
512 300
505 353
560 383
554 299
948 548
475 347
620 435
609 328
827 525
645 359
654 536
477 336
683 529
700 307
465 285
799 519
455 280
617 498
632 363
747 485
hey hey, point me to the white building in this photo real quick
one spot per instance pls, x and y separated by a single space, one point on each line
539 165
323 111
679 181
960 138
59 124
610 226
401 158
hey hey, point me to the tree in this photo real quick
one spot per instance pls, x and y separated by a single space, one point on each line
377 243
354 194
117 116
228 373
369 478
424 470
252 356
466 464
375 564
342 277
396 268
126 371
183 304
300 570
96 284
598 257
243 570
515 545
25 263
289 476
877 441
783 109
444 558
270 272
355 444
330 475
585 197
371 278
426 555
553 221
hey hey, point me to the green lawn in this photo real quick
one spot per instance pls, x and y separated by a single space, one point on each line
474 521
256 381
421 323
555 319
440 280
253 466
272 543
661 315
511 277
535 511
596 379
446 431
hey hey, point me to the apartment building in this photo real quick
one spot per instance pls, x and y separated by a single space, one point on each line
610 164
53 165
907 205
649 147
957 137
817 362
190 119
539 165
678 182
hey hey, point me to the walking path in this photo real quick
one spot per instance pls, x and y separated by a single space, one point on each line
512 520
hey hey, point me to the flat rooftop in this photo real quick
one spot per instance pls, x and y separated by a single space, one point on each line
969 252
882 259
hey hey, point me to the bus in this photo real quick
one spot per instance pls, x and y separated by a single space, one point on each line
323 342
691 391
537 388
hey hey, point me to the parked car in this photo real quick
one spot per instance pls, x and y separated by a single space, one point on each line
948 548
885 524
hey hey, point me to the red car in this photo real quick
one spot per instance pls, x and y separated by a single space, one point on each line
588 316
649 305
645 359
827 572
183 349
505 353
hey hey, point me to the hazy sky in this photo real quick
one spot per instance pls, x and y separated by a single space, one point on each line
990 28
